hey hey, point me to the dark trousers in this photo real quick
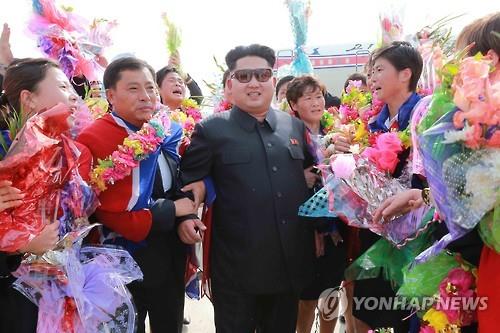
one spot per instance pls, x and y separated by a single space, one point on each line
243 313
165 306
375 318
17 313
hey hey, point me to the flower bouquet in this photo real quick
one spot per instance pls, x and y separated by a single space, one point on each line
357 184
350 120
459 142
391 25
76 289
373 262
39 163
446 285
70 39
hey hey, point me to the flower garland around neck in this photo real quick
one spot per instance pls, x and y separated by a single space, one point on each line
188 115
135 148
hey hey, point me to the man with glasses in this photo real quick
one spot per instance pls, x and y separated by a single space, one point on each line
261 252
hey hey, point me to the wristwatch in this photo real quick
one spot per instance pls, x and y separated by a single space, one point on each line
426 196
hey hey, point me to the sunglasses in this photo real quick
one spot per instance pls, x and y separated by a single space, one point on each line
245 75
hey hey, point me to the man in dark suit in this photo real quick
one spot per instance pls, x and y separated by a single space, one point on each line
261 251
140 211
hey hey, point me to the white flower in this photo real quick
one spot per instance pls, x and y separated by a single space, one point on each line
483 181
457 135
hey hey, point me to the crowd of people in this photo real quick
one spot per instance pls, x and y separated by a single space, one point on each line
235 184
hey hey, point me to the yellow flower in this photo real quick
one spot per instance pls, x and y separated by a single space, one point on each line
189 103
96 178
405 138
436 319
361 133
98 107
134 145
179 117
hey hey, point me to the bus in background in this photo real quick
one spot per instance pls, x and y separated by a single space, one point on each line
332 64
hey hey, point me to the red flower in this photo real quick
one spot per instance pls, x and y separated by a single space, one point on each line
387 161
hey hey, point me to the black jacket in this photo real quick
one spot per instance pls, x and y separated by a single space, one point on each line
259 244
164 256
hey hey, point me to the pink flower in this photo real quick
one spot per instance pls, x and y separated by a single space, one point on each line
460 281
427 329
373 154
493 93
494 141
474 138
123 157
386 24
347 113
464 280
455 306
460 99
189 125
471 68
468 317
458 119
343 165
353 84
387 161
389 142
453 315
469 84
194 113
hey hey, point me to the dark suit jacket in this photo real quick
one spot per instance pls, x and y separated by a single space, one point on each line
164 257
259 244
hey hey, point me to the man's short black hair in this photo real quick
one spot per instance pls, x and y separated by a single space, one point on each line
256 50
162 73
225 76
112 74
402 55
282 81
